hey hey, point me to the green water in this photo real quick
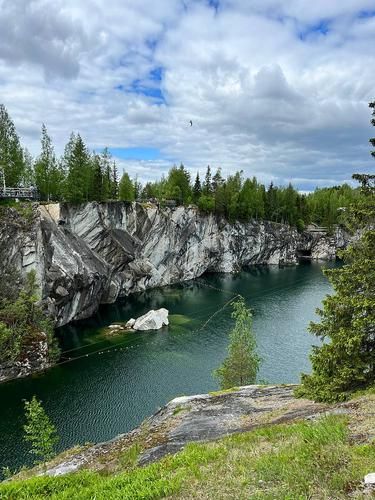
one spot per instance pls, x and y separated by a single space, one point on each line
124 379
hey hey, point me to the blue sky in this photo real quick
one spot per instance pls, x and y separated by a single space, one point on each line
278 89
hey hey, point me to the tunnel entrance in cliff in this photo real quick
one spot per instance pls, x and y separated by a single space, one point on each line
304 254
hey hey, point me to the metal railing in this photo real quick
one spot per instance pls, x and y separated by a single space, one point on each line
18 192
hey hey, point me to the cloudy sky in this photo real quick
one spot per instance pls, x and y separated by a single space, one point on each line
278 88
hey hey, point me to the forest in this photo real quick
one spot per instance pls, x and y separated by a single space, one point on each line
81 175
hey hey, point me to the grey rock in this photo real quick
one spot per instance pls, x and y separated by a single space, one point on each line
109 250
60 290
202 417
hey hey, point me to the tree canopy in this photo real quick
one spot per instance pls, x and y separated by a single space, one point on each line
81 175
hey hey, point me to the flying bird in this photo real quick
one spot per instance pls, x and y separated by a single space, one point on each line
191 123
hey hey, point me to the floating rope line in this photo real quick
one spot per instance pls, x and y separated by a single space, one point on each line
219 311
105 350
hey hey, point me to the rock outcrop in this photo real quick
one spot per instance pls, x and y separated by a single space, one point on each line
93 253
35 358
207 417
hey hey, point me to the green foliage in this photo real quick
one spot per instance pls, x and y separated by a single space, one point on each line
299 460
197 189
347 361
206 203
22 322
48 177
242 363
39 431
178 186
126 188
11 153
81 176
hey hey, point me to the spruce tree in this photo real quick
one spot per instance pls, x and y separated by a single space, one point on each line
207 186
346 361
78 165
197 189
241 365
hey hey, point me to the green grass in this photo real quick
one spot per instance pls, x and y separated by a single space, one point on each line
224 391
288 461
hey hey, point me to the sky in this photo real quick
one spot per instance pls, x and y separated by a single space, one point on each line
277 88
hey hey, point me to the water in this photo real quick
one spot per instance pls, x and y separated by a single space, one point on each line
93 398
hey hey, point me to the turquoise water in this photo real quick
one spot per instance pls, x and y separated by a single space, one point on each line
109 385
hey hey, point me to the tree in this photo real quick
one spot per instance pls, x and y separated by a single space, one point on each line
207 186
114 183
11 153
46 171
39 431
22 322
241 365
197 189
346 361
178 185
126 188
77 163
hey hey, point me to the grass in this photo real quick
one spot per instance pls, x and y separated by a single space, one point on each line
288 461
224 391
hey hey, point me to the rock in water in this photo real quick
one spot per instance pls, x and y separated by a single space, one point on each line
153 320
130 323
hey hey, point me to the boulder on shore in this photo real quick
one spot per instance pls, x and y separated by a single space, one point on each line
153 320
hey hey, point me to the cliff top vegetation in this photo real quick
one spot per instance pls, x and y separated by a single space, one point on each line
80 175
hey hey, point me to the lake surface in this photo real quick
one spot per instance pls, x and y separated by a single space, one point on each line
111 384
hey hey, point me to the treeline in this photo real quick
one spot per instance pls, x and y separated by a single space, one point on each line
80 175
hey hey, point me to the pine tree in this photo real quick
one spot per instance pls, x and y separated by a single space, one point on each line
242 363
39 431
11 153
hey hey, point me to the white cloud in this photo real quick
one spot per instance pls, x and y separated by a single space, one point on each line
260 97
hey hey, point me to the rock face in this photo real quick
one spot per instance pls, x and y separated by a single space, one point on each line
93 253
36 358
153 320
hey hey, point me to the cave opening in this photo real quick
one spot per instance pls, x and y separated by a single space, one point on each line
304 254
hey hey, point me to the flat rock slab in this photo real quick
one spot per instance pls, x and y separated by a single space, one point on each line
197 418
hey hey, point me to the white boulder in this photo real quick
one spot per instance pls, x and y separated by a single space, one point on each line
130 323
153 320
